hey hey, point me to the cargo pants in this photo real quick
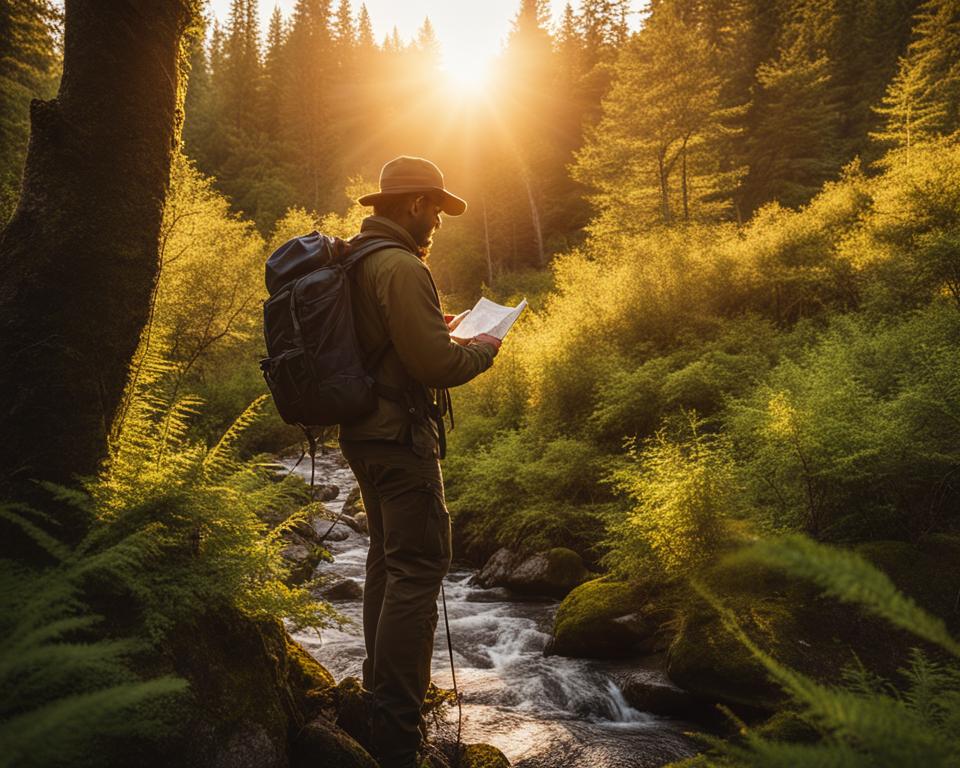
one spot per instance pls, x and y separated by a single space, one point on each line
409 556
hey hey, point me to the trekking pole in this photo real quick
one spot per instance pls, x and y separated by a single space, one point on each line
453 671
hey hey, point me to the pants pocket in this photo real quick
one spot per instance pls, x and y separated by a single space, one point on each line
437 533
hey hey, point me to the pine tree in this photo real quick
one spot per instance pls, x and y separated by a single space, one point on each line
345 36
310 71
923 101
198 102
365 40
654 155
794 143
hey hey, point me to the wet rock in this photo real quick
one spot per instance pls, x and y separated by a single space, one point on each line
609 619
344 589
337 533
320 742
361 520
649 691
302 555
325 492
354 503
554 572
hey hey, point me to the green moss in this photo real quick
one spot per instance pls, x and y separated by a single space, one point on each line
482 756
586 621
565 564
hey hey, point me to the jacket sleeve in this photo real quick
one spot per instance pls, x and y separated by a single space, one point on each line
417 329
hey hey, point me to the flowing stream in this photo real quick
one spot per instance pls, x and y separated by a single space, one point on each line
541 711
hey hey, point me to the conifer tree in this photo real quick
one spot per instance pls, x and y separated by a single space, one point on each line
365 41
345 36
654 155
923 101
794 143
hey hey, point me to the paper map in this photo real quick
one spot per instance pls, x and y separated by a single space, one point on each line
490 318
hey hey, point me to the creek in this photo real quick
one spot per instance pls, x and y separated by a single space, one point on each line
541 711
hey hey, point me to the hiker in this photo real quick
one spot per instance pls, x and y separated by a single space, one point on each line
394 452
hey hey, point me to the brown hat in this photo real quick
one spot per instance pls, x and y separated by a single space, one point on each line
414 174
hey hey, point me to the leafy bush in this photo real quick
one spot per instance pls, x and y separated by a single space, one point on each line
857 437
683 490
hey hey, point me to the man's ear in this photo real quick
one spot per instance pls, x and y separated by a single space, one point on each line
416 205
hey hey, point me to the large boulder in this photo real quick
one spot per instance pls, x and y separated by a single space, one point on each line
552 573
251 687
648 690
608 619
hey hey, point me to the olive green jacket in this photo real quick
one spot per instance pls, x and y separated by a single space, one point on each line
394 296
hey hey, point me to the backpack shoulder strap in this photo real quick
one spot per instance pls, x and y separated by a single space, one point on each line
361 247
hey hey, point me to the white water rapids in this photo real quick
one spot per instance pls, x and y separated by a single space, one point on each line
541 711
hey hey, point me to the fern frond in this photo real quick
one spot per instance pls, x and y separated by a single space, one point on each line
887 725
851 579
229 439
12 512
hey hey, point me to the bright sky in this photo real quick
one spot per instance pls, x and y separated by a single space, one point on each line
470 31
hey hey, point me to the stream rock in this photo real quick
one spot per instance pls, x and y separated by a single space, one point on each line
649 691
553 572
342 589
609 619
354 502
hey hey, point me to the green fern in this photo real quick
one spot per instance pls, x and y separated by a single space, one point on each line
867 721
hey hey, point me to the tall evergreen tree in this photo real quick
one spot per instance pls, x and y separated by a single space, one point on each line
365 40
654 156
923 101
345 36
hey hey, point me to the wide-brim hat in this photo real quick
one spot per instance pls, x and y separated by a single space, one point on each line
404 174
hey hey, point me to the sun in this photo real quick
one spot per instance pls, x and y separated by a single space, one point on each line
466 70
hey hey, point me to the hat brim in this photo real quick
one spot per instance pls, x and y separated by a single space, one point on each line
450 203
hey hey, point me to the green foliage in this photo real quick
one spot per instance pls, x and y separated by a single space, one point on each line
527 494
866 721
66 686
30 40
856 436
683 491
204 508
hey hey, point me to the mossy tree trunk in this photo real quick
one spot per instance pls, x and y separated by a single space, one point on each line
79 257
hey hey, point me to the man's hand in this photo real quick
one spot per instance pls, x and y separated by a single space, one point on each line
486 338
453 322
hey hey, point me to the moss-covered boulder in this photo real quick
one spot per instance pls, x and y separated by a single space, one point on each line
251 687
482 756
320 742
609 619
794 623
551 573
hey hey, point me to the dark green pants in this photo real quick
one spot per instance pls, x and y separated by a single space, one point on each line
408 558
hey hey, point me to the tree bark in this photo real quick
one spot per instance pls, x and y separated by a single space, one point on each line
79 258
